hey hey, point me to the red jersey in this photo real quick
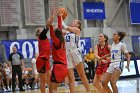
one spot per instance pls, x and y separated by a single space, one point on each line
59 54
44 45
104 51
58 48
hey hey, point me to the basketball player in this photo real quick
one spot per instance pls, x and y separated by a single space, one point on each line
74 57
101 50
118 49
42 63
59 71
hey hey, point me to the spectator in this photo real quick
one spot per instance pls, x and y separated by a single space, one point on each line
2 76
89 60
8 75
16 61
36 74
25 76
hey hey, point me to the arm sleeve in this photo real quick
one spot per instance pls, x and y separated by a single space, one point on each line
43 34
124 49
10 57
53 37
59 22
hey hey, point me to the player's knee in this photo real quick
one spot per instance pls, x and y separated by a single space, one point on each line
95 84
104 84
71 80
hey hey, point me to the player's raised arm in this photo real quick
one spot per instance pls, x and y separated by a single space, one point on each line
59 19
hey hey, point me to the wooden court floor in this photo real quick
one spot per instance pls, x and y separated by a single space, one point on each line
125 86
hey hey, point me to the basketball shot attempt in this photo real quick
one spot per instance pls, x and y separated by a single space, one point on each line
63 12
74 57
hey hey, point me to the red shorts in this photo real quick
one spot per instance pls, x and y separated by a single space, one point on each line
59 72
101 69
42 65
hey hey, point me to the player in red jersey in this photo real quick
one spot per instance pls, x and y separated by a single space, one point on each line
42 63
100 51
59 71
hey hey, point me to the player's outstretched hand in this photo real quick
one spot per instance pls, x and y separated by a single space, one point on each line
54 13
49 21
59 12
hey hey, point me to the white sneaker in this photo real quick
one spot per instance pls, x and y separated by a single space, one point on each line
8 88
35 86
4 89
66 86
76 83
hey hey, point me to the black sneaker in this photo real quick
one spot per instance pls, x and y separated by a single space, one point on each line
22 89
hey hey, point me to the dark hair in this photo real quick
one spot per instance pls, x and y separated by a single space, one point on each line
121 34
59 35
79 23
106 37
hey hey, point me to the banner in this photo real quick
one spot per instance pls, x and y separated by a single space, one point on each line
94 11
29 47
136 46
135 11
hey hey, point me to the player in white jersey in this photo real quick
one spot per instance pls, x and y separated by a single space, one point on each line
74 57
114 71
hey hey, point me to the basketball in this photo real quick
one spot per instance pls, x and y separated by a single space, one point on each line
64 12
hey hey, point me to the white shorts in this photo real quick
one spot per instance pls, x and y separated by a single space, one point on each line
74 58
115 65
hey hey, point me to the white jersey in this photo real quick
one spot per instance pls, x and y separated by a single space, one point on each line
72 41
73 52
117 51
7 70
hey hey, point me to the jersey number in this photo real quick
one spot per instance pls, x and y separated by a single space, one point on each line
113 56
67 38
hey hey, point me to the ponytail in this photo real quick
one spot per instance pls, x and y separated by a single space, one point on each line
122 35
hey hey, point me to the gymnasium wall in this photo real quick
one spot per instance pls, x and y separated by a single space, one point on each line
91 28
119 21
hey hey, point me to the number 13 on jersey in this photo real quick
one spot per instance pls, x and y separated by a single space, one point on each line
67 38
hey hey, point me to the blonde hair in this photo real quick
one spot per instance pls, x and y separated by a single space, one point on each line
38 31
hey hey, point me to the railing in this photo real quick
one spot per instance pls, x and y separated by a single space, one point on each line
134 1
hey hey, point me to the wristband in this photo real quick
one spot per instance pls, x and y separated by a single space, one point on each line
64 25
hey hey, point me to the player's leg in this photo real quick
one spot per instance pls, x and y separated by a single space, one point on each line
77 60
42 82
53 87
48 70
97 80
115 76
71 76
106 79
71 80
81 73
41 68
57 76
